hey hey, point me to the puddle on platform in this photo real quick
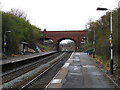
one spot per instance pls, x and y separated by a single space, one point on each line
75 69
77 57
96 73
78 74
76 64
89 66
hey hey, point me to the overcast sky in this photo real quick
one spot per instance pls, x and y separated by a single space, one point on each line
60 14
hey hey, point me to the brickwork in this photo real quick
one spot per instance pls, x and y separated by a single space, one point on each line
58 36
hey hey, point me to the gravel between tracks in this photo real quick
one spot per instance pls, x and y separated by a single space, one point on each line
42 81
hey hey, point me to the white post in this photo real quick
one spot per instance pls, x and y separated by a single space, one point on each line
5 39
111 42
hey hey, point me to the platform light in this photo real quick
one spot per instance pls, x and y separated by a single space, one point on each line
111 44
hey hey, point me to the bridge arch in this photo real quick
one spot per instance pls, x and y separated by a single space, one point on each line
64 38
57 36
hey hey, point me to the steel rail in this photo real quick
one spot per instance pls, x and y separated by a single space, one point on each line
53 64
23 87
19 68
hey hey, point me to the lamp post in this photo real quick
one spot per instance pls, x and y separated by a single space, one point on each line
5 39
44 36
110 38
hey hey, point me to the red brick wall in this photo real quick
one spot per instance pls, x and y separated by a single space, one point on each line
59 35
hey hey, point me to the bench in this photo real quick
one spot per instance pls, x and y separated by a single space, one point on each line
90 51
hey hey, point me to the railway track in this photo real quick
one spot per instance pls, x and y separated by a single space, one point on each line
41 81
9 75
22 76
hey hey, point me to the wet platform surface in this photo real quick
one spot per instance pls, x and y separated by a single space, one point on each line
80 71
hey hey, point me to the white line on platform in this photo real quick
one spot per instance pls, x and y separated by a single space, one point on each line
66 64
56 81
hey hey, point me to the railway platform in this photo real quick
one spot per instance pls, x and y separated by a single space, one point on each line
81 71
23 57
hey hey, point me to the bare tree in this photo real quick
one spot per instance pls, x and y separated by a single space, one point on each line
19 13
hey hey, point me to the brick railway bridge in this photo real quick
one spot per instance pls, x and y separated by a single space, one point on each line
58 36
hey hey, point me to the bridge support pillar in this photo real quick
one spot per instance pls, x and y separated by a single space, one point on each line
56 45
78 45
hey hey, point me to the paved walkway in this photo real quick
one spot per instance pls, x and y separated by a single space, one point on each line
23 57
80 71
